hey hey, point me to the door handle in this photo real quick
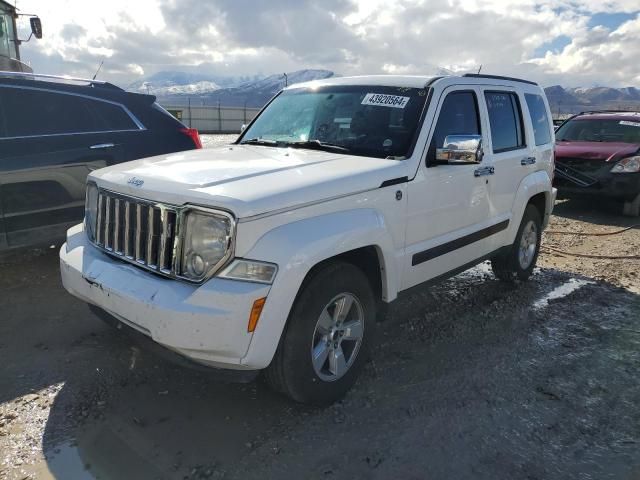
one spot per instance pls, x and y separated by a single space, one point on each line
528 161
101 146
482 171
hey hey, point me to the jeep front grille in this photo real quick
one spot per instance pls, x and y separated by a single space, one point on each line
138 231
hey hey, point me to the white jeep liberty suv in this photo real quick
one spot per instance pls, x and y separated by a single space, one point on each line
277 251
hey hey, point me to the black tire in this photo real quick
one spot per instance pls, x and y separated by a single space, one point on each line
292 372
507 266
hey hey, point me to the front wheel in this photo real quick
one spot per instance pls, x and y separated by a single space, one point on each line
518 263
326 340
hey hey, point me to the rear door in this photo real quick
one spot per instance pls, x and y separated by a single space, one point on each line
52 140
507 150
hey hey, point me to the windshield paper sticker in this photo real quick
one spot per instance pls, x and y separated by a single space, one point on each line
381 100
631 124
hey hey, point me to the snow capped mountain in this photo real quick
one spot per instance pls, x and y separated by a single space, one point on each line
179 88
278 81
185 83
573 100
197 88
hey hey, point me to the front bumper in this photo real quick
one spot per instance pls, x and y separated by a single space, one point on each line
574 182
206 323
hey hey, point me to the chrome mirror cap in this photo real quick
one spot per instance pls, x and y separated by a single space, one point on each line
461 149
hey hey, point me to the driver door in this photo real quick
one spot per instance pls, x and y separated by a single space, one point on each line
448 221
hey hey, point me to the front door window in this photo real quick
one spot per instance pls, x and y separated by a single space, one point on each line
7 40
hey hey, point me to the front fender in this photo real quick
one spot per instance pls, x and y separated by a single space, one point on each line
296 248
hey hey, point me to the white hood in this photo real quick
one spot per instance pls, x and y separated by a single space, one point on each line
247 180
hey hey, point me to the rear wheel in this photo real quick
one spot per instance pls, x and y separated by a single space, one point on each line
325 344
518 263
632 208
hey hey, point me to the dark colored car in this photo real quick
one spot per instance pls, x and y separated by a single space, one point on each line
53 132
598 153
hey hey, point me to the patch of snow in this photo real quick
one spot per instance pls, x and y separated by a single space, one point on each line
563 290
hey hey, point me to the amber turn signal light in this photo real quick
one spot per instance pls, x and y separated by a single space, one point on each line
256 310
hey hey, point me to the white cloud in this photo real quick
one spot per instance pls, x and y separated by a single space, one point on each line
599 56
348 36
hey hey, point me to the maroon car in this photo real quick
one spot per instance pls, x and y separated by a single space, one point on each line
598 153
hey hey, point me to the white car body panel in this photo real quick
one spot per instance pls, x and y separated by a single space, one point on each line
296 208
247 180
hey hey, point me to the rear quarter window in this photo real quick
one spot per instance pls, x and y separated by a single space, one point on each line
113 117
539 118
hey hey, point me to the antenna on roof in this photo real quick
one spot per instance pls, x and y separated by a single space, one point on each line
97 71
479 69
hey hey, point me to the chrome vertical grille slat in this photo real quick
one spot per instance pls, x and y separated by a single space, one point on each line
107 224
127 229
116 226
99 232
164 234
138 230
138 234
150 225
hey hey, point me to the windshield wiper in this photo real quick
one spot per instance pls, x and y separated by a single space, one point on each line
259 141
318 145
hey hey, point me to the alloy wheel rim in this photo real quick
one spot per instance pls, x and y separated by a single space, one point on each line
528 244
337 337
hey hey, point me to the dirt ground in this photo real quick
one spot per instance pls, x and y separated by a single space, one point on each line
471 379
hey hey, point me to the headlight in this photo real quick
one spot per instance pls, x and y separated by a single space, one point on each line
250 271
627 165
207 243
91 210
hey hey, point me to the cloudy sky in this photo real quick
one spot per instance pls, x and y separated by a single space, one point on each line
573 43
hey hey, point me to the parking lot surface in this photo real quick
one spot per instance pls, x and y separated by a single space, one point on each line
469 379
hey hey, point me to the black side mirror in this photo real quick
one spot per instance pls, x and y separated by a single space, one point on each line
36 27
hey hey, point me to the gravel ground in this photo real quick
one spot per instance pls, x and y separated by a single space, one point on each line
470 379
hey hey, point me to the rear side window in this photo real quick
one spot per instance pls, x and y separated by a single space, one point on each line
458 116
505 119
539 118
30 112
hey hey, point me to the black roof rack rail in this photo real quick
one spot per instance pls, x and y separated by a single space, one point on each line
589 112
59 79
498 77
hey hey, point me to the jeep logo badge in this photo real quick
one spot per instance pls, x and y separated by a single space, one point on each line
136 182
